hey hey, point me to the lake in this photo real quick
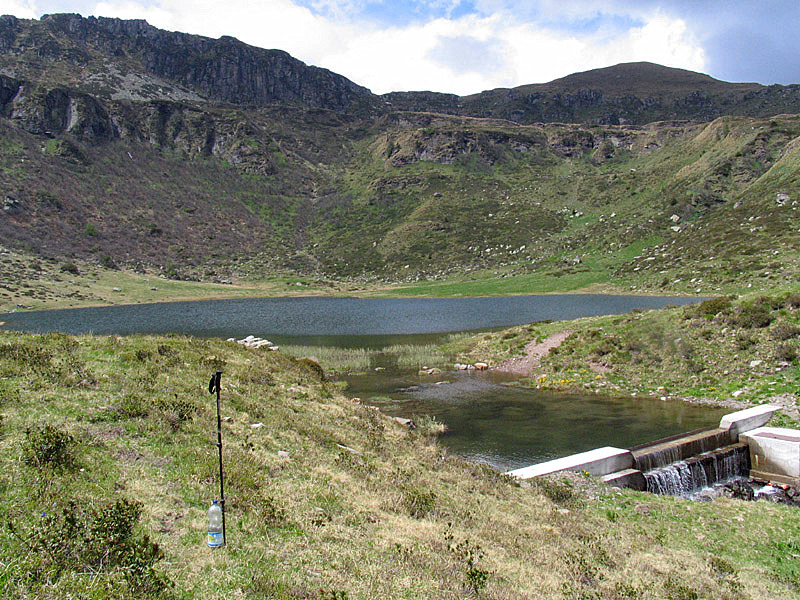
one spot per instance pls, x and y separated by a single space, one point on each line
329 321
489 421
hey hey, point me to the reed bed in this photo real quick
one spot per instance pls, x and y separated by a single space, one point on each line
400 356
338 360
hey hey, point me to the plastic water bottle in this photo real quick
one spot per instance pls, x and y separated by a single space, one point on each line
215 539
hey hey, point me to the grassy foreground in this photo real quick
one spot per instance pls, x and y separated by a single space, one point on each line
107 467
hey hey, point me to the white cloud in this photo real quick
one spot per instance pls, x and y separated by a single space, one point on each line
458 55
410 58
539 56
276 24
24 9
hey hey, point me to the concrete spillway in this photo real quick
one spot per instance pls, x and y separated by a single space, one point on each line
661 453
686 463
685 477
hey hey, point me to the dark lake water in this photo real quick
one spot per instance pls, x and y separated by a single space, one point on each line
504 426
509 427
328 321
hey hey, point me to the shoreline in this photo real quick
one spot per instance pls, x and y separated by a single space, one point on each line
319 293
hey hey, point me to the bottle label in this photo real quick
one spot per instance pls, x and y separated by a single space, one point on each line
214 539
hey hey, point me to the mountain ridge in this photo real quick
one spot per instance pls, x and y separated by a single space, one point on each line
103 56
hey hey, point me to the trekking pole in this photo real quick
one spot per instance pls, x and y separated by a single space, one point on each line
213 386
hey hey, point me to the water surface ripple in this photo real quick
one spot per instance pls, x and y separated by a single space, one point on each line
316 316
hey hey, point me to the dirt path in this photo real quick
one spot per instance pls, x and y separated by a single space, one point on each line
534 351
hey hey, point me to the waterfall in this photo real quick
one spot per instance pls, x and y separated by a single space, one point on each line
685 477
680 447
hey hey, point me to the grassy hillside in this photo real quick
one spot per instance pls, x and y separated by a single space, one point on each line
108 467
215 195
414 198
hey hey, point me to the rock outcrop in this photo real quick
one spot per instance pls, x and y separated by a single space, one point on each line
222 70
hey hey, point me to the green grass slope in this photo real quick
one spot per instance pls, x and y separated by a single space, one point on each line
218 194
108 467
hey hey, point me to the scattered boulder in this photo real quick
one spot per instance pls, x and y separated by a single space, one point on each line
11 205
405 422
431 371
252 341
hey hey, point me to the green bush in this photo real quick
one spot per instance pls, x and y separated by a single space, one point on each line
133 406
418 503
786 352
108 262
48 446
91 230
710 308
470 554
783 330
753 316
177 411
80 538
313 367
69 267
745 340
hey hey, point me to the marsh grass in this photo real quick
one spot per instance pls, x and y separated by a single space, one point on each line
335 359
404 357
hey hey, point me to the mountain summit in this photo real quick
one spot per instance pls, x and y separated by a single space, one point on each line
130 59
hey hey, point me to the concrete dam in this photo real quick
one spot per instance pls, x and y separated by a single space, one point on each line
683 464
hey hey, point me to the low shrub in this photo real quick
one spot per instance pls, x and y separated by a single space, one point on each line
783 330
418 503
108 262
745 340
81 538
133 406
752 316
69 267
786 352
48 446
313 367
708 309
176 411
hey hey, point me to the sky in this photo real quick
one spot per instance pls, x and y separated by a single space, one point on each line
467 46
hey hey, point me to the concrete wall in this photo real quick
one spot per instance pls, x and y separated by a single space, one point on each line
600 461
774 454
747 419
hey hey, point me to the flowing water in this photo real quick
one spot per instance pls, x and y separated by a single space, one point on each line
685 477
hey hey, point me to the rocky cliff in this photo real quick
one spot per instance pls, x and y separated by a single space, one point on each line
88 51
633 93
